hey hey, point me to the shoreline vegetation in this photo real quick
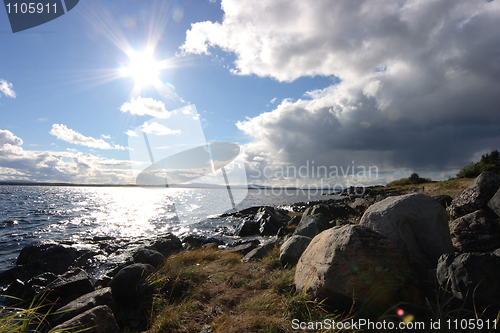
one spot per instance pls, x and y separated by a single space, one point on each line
201 285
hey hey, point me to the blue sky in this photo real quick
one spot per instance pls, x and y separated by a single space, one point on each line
406 86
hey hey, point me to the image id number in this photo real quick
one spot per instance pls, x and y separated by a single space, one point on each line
30 8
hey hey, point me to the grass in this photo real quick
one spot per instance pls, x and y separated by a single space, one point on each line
212 287
32 319
451 187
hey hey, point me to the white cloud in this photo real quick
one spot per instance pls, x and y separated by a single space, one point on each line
64 133
58 166
273 100
418 80
7 138
131 133
146 106
6 89
105 136
158 129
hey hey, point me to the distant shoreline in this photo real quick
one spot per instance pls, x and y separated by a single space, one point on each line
250 187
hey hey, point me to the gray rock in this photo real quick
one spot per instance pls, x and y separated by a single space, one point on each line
292 249
476 196
311 225
243 248
270 221
83 303
26 290
167 244
151 257
416 224
494 203
294 220
193 241
129 286
248 228
473 278
46 256
69 286
475 232
361 204
96 320
317 209
258 253
351 263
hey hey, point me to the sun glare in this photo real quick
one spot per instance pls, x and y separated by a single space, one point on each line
143 68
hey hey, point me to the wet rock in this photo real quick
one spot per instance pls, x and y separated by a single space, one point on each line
167 244
46 256
151 257
26 290
96 320
351 263
473 278
416 224
69 286
270 221
292 249
193 241
129 286
294 220
83 303
475 232
248 228
476 196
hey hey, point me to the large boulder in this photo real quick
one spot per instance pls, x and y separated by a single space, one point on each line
416 224
83 303
476 196
351 263
472 278
96 320
311 225
292 249
475 232
46 256
129 286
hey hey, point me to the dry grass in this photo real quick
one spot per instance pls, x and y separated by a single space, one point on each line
212 287
451 187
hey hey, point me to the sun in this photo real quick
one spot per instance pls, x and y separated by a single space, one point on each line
143 68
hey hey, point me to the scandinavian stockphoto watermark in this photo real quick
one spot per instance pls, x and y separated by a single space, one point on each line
311 178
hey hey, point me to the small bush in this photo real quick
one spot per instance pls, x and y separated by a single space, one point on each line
412 180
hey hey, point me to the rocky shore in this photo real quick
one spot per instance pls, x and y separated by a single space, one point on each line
367 251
